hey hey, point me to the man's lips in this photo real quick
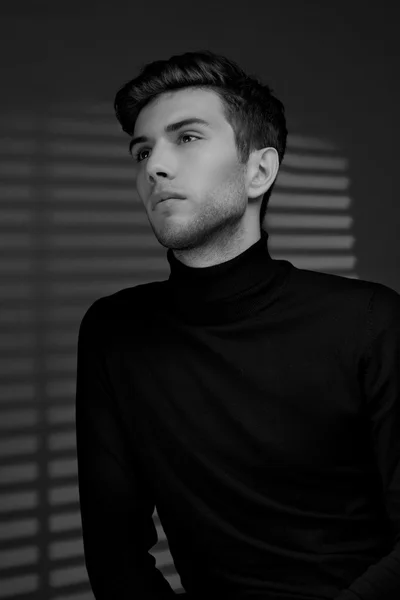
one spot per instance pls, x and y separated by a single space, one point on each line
170 200
161 197
173 197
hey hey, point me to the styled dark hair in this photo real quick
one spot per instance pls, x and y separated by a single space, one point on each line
255 115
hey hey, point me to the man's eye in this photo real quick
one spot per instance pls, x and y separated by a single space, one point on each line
137 154
183 135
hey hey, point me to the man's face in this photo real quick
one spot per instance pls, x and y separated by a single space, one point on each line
197 161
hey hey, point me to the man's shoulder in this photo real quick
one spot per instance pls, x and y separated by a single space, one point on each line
350 295
312 281
125 303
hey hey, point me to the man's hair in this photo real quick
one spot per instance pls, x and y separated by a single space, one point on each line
255 115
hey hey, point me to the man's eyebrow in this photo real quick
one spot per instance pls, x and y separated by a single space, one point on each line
169 128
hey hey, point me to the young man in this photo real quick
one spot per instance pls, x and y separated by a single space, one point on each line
255 404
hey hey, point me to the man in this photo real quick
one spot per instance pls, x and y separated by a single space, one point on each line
255 404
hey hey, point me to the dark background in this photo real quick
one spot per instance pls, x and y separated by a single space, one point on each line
335 66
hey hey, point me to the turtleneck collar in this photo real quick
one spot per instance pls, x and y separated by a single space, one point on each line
227 291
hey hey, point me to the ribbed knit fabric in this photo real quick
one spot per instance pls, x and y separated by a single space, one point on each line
257 407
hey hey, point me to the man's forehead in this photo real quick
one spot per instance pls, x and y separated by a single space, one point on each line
182 104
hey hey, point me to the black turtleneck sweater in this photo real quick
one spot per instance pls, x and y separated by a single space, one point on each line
257 407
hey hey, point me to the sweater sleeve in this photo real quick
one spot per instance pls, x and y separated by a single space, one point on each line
381 384
116 505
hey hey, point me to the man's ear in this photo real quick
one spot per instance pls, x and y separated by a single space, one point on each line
262 171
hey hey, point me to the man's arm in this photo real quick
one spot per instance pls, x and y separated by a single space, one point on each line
116 505
381 386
